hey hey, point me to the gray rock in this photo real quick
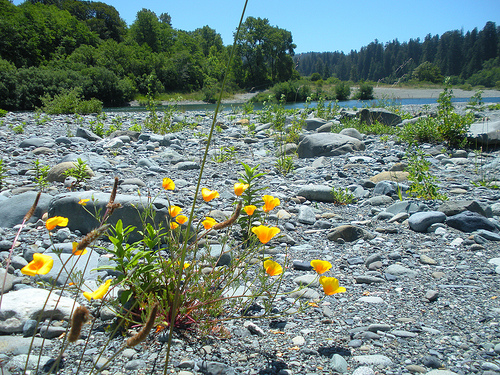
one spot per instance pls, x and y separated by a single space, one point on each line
420 221
491 236
495 209
135 364
363 370
485 133
380 200
327 144
12 210
37 142
451 208
187 165
368 279
398 270
338 364
9 280
18 345
18 363
468 221
375 359
306 215
85 263
25 304
410 207
57 172
320 193
385 188
215 368
385 117
314 123
352 132
93 160
349 233
87 134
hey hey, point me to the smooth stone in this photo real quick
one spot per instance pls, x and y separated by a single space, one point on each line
484 133
431 361
349 233
396 176
469 221
398 270
327 144
371 299
312 124
57 172
301 266
363 370
451 208
187 166
416 369
6 281
404 334
382 115
374 359
22 305
37 142
19 362
420 221
338 363
94 161
305 293
13 210
379 200
306 215
366 279
18 345
308 280
425 259
87 134
320 193
491 236
409 207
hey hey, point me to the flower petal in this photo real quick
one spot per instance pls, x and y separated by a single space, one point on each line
239 188
100 292
250 209
320 266
56 221
208 194
272 268
174 210
265 234
168 184
40 265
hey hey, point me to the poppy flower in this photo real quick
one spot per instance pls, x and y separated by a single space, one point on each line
174 210
83 202
331 285
40 265
173 225
78 252
168 184
56 221
250 209
272 268
269 203
100 292
320 266
239 188
181 219
208 194
265 234
208 223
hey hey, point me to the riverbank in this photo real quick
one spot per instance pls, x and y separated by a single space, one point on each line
416 93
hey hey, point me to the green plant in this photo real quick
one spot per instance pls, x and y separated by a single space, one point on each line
3 112
18 129
423 182
80 172
284 164
342 91
476 102
41 172
365 92
224 154
342 196
69 101
97 125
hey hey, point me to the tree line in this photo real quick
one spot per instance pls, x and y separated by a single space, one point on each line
48 47
472 57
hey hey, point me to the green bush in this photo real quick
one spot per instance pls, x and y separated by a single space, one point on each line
365 92
342 91
428 72
292 90
3 112
315 77
69 102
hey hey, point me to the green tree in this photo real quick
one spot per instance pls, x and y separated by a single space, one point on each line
148 29
428 72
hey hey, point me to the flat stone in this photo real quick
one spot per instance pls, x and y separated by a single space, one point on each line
469 221
397 176
349 233
375 360
327 144
420 221
398 270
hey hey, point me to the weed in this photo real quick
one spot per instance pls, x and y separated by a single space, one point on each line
80 172
423 182
284 164
224 154
70 101
342 196
41 172
3 112
3 174
18 129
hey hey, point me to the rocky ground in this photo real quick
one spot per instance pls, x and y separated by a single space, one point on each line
422 277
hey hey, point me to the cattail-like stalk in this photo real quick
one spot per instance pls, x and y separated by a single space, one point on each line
80 317
30 213
229 221
144 332
91 237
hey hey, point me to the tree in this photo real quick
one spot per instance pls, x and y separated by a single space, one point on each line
265 52
147 29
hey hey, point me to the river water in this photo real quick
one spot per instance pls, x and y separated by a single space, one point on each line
258 106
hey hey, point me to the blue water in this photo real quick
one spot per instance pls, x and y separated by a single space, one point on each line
346 104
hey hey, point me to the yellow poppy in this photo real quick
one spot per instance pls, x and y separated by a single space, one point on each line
208 223
320 266
100 292
239 188
168 184
40 265
181 219
265 234
56 221
173 225
78 252
250 209
331 285
83 202
208 194
272 268
269 203
186 265
174 210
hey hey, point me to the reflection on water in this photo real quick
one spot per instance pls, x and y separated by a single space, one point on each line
258 106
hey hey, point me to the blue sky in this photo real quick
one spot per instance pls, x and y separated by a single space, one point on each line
325 25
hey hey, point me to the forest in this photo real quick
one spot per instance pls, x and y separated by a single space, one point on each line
473 57
52 47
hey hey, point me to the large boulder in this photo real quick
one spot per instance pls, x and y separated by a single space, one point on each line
12 210
328 144
451 208
385 117
485 133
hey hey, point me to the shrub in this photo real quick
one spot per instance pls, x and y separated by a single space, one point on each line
3 112
342 91
365 92
69 101
292 90
315 77
428 72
